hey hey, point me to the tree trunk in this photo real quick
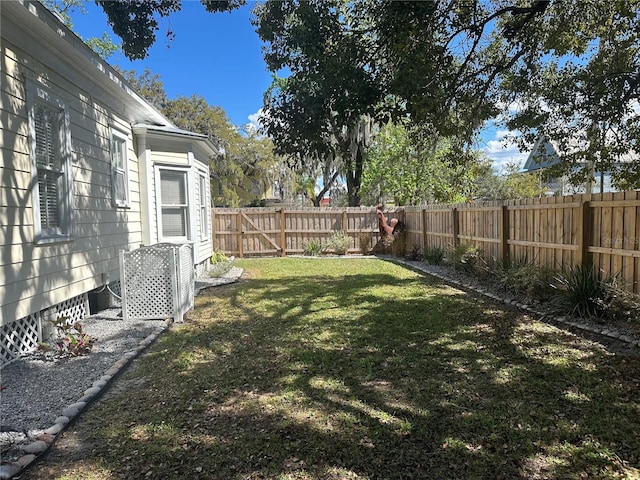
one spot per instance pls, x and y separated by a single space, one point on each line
355 167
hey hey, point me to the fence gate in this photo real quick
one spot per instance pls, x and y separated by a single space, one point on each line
157 282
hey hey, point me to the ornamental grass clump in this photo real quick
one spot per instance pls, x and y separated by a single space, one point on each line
524 278
339 242
313 248
468 259
434 255
580 291
618 302
220 264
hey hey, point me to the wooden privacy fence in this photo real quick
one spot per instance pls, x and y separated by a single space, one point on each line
602 229
282 231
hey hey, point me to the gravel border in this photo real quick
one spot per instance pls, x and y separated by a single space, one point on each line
628 333
41 395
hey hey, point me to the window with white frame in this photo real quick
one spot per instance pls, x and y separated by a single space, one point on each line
174 205
50 151
204 218
119 169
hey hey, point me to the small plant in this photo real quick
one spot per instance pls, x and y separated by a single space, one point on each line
364 241
434 255
524 278
67 339
618 302
339 242
467 258
580 291
313 248
218 257
218 270
220 264
416 253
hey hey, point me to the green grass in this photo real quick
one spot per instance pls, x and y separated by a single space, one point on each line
362 369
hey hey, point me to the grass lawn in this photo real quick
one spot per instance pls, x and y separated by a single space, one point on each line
360 369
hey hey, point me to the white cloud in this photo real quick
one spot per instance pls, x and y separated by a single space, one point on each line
501 151
254 120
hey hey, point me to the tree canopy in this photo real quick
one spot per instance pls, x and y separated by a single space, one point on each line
567 70
103 46
325 105
411 166
581 88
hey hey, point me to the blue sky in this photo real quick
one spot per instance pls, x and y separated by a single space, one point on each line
218 56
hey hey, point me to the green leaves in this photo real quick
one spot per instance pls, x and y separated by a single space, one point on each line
568 66
409 165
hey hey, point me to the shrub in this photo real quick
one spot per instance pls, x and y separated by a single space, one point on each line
339 242
434 255
415 253
364 240
524 278
580 291
618 302
67 340
313 248
467 258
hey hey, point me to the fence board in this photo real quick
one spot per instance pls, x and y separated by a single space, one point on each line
555 232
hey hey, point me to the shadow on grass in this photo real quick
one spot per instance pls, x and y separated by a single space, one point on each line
369 373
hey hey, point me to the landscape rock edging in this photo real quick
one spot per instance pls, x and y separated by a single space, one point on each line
37 449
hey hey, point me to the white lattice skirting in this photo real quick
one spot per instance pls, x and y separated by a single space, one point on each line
23 335
19 337
157 282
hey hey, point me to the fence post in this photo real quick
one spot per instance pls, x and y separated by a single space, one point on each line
456 226
583 233
240 233
213 228
283 233
345 221
504 233
424 230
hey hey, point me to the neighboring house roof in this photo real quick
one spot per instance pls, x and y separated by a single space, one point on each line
542 155
547 153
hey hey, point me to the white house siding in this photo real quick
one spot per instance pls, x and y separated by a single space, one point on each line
161 148
175 159
34 277
204 245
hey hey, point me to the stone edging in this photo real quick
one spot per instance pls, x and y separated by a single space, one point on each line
34 451
509 301
40 447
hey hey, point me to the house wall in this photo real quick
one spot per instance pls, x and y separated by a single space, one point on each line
36 276
204 245
158 153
